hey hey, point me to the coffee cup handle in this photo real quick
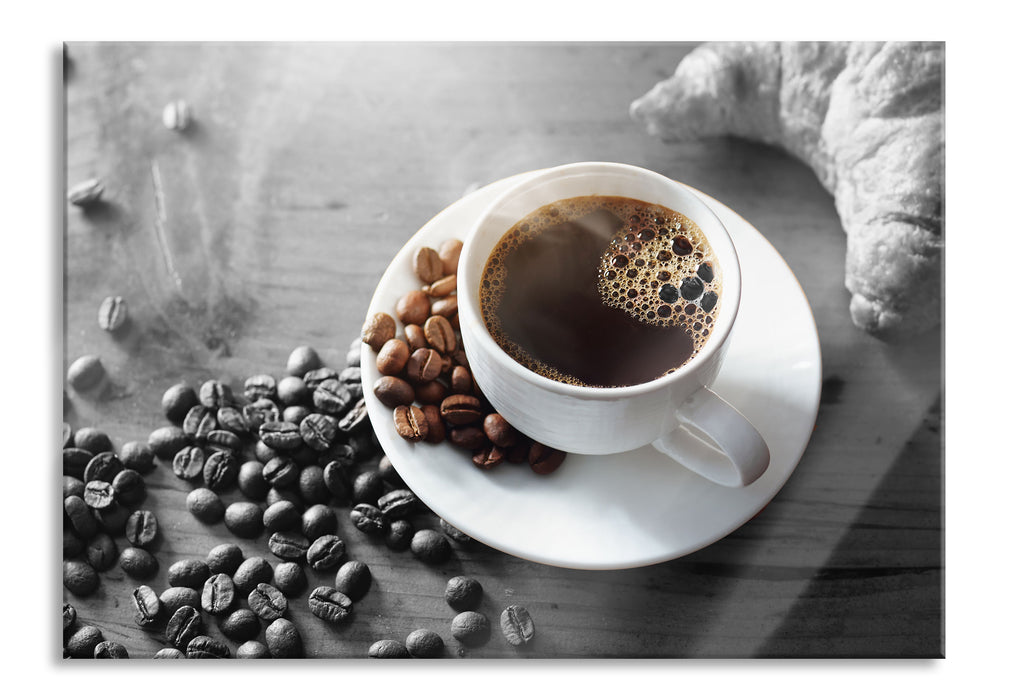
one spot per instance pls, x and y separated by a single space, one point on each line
714 440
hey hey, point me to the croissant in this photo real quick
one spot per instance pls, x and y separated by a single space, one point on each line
868 119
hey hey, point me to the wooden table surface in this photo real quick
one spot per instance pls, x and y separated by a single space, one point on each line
268 225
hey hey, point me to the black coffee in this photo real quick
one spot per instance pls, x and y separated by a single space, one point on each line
601 291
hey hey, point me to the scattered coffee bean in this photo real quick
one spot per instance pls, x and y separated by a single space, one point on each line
441 287
295 414
214 394
267 602
252 649
169 653
424 644
244 519
471 628
499 431
461 381
368 487
166 441
433 393
241 625
410 423
205 505
447 307
319 520
111 650
199 422
398 535
280 435
112 314
468 437
260 386
413 307
517 625
99 494
440 335
293 390
454 532
224 441
430 546
102 552
393 392
75 461
283 640
252 571
225 558
173 598
325 553
303 359
178 400
103 467
281 516
184 625
318 430
423 366
251 481
82 643
86 374
146 606
141 528
427 264
378 329
190 573
414 335
72 544
129 487
289 578
463 593
220 471
177 115
543 459
388 472
69 617
262 411
332 397
368 518
80 517
317 376
275 495
204 647
388 649
93 440
80 578
112 520
353 579
461 409
488 457
289 546
354 352
329 604
218 594
356 419
398 504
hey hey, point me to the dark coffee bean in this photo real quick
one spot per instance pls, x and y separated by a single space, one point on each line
241 625
356 419
519 452
338 475
424 644
353 579
329 604
199 422
289 578
424 365
224 441
461 409
251 481
517 625
80 578
433 393
333 397
146 606
545 460
389 475
102 552
398 535
468 437
177 401
205 505
691 288
220 471
319 520
103 467
318 430
312 485
112 520
93 440
430 546
283 640
325 553
281 516
488 456
218 594
267 602
190 573
260 386
263 452
129 487
138 563
259 413
471 628
463 593
368 487
289 546
252 649
87 376
252 571
80 517
82 643
111 650
244 519
293 391
225 558
388 649
173 598
165 442
398 504
453 532
204 647
188 463
75 461
368 518
141 528
72 544
708 301
295 414
184 625
275 495
168 653
461 381
99 494
499 431
214 394
393 392
69 617
280 435
317 376
303 359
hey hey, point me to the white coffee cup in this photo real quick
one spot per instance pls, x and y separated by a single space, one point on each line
676 413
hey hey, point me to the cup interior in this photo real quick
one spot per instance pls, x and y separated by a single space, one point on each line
588 179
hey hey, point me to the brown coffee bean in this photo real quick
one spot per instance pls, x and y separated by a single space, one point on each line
499 431
449 251
413 307
410 423
424 365
488 457
440 334
459 358
435 425
414 335
393 356
430 392
468 437
461 382
461 409
393 391
378 329
440 288
519 452
543 459
427 264
447 307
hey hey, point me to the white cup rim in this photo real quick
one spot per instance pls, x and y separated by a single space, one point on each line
717 235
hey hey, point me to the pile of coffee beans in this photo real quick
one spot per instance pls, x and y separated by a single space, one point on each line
426 380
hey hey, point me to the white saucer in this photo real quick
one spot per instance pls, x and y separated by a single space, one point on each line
635 508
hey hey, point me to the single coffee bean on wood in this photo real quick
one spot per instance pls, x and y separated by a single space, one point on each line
177 401
86 374
410 423
368 518
293 390
398 535
250 572
430 546
80 578
388 649
379 328
353 579
224 558
252 649
312 485
214 394
166 441
284 493
102 552
425 644
289 578
241 625
111 650
303 359
173 598
260 386
191 573
112 314
141 528
129 487
205 505
218 594
185 624
169 653
368 487
244 519
517 625
146 606
393 392
267 602
329 604
463 593
289 546
283 640
204 647
325 553
471 628
93 440
82 643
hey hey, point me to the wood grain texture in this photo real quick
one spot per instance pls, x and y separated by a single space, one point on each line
268 225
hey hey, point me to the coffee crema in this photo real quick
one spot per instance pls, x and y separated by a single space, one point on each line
601 291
